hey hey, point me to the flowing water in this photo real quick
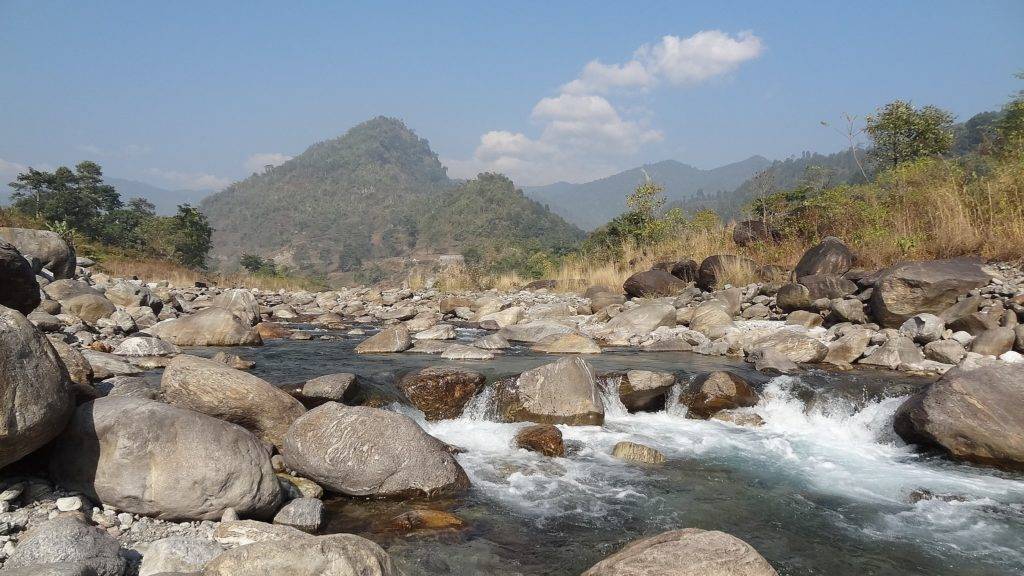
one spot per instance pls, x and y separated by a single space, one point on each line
824 487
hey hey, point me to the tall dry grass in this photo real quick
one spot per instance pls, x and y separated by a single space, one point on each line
151 270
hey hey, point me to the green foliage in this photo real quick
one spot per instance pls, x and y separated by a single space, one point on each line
77 197
260 266
644 224
902 133
1010 127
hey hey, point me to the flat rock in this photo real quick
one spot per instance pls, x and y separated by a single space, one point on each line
687 552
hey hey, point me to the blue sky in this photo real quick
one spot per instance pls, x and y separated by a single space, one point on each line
195 94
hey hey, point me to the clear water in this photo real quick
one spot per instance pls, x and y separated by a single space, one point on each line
823 488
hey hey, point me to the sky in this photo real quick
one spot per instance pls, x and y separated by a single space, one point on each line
196 95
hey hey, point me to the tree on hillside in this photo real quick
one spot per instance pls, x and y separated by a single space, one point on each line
192 236
1010 127
78 197
902 133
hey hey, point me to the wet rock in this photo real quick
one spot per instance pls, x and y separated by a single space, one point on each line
633 452
799 348
463 352
739 418
769 359
945 351
441 393
642 390
567 344
652 283
154 459
830 256
543 438
564 392
331 387
426 520
714 391
362 451
306 514
388 340
341 554
36 400
993 342
67 540
209 327
687 552
21 291
910 288
241 303
973 415
923 328
178 554
644 318
214 389
48 248
272 331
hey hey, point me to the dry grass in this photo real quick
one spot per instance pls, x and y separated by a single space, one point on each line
182 276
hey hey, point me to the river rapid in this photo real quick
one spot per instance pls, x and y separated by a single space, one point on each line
824 487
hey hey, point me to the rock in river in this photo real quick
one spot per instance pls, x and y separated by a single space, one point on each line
393 339
714 391
543 438
334 555
209 327
441 393
563 392
687 552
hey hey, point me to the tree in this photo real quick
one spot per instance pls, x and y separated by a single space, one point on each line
902 133
78 198
192 233
1010 127
764 186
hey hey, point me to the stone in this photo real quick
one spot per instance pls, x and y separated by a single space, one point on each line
641 390
332 387
503 318
48 248
233 361
241 303
633 452
105 365
923 328
799 348
437 332
769 359
898 351
711 319
128 294
945 351
849 310
793 296
830 256
36 397
685 270
441 393
848 348
425 520
79 369
644 318
146 346
652 283
739 418
993 342
306 514
217 390
66 539
129 386
686 552
236 533
272 331
210 327
720 268
21 291
972 415
804 318
543 438
448 304
567 344
463 352
708 393
602 300
70 503
177 554
492 342
533 331
388 340
299 487
563 392
337 554
154 459
910 288
828 286
363 451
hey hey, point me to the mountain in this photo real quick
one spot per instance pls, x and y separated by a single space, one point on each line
592 204
376 192
165 201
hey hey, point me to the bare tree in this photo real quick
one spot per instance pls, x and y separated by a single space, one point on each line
851 134
764 187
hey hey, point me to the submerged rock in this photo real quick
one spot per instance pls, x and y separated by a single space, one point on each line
641 390
633 452
687 552
564 392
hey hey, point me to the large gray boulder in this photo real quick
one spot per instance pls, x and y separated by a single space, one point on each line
687 552
70 541
80 299
158 460
711 319
362 451
563 392
241 303
653 283
178 554
216 389
830 256
20 289
799 348
534 331
644 318
910 288
388 340
36 399
973 415
129 294
209 327
52 252
334 555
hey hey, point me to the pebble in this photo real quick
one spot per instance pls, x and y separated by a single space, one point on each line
70 503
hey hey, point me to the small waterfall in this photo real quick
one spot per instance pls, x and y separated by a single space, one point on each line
481 406
672 404
613 406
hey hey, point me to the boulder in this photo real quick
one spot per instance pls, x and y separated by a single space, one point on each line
711 319
923 328
571 343
910 288
652 283
362 451
644 318
48 248
793 296
641 390
687 552
388 340
708 393
721 268
945 351
973 415
492 342
331 387
80 299
272 331
178 554
36 399
146 346
543 438
848 348
564 392
749 232
217 390
769 359
209 327
827 286
463 352
898 351
633 452
306 514
244 532
848 310
21 291
533 331
337 554
67 540
503 318
830 256
104 365
154 459
241 303
128 294
804 318
993 342
233 361
436 332
602 300
441 393
685 270
79 369
799 348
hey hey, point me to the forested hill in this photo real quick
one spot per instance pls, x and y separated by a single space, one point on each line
378 191
591 204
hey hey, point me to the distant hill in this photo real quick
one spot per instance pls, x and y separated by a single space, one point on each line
376 192
592 204
165 201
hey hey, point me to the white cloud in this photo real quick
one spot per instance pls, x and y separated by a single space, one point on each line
258 161
11 169
583 135
190 180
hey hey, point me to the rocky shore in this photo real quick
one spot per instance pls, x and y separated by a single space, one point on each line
218 472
